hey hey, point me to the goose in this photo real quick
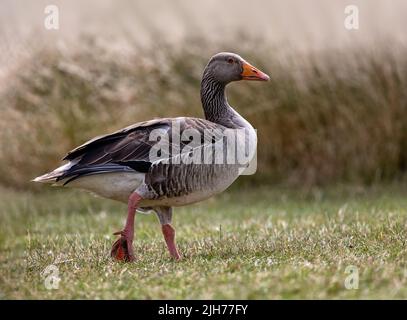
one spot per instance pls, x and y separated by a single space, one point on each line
127 165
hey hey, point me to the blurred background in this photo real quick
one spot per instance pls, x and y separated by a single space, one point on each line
334 112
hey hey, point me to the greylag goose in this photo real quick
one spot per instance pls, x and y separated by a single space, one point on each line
128 166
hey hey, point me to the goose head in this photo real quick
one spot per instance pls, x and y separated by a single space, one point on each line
226 67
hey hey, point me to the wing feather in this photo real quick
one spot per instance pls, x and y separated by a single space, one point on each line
133 143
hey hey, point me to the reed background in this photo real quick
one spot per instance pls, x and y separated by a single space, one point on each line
335 110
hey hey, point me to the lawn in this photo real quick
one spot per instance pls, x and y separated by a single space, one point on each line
255 243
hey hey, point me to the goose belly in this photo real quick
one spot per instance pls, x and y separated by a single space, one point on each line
190 184
116 186
193 197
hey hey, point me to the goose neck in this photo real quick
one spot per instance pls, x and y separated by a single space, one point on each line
213 98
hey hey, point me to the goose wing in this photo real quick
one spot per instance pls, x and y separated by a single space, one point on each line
129 148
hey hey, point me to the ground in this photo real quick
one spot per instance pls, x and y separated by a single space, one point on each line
248 243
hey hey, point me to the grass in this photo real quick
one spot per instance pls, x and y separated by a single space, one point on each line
256 243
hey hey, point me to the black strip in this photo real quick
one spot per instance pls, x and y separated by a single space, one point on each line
256 309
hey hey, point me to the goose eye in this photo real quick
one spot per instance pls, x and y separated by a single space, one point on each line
230 60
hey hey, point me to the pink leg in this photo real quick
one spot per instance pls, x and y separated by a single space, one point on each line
122 249
169 236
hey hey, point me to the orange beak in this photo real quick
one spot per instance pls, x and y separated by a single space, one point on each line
252 73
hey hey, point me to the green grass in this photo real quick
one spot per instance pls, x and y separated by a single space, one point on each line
261 243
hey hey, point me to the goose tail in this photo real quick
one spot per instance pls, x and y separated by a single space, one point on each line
50 177
53 176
